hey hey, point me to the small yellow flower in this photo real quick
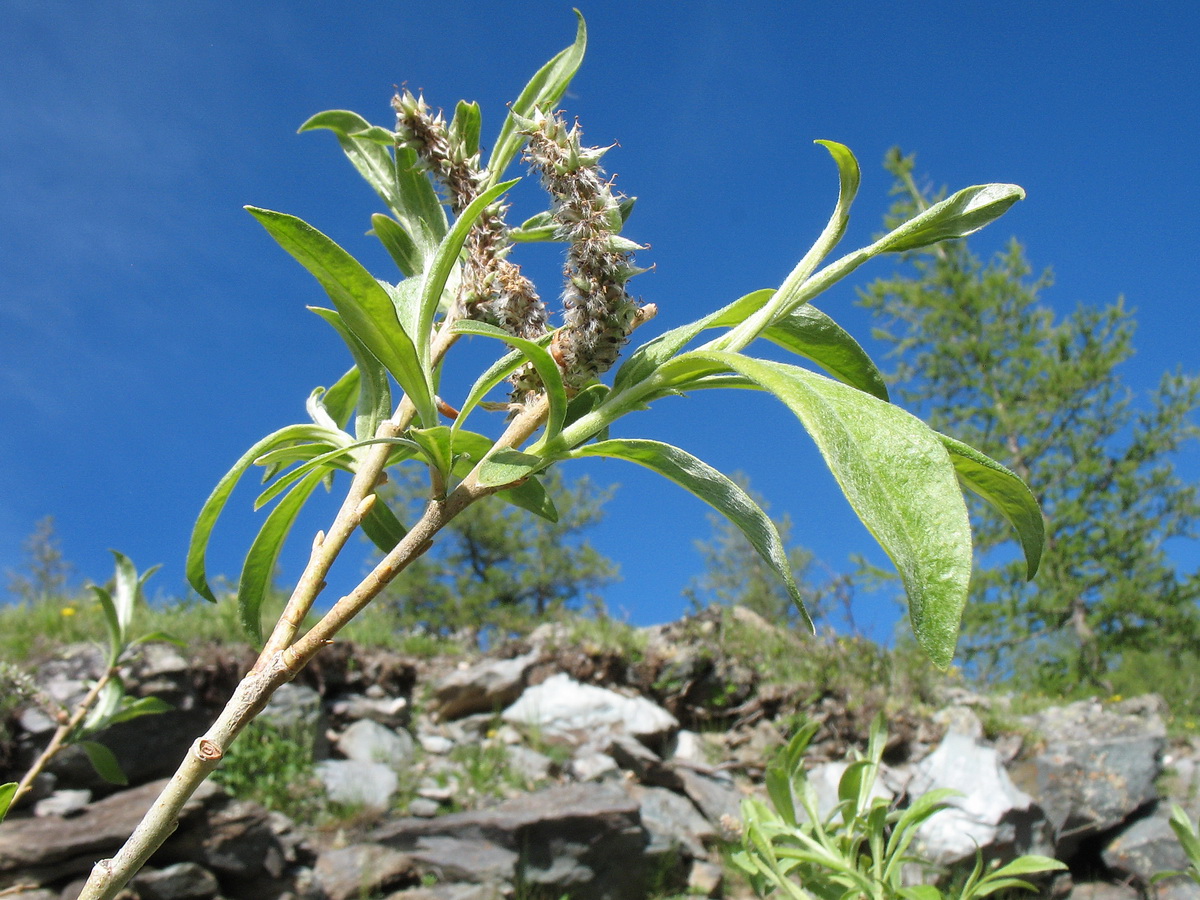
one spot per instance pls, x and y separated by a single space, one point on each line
69 611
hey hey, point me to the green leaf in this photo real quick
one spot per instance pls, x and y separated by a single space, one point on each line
397 179
508 466
104 762
808 332
1007 493
898 477
7 792
646 359
382 527
543 91
465 128
340 399
108 701
260 561
435 445
215 504
492 376
444 261
1028 865
958 216
541 227
713 488
126 590
400 247
542 361
531 495
116 639
158 636
1189 840
791 293
365 306
374 393
143 706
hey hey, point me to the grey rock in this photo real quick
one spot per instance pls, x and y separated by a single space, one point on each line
1098 767
452 891
63 803
634 756
362 870
531 765
482 688
686 746
705 879
368 741
1102 890
562 840
357 783
437 744
562 708
237 842
960 720
53 848
1146 847
391 712
672 821
181 881
468 858
990 812
146 748
591 765
715 796
424 808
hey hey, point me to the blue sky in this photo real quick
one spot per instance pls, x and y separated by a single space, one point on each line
150 330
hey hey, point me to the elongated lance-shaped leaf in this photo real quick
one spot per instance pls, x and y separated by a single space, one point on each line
382 527
339 401
136 708
397 179
444 261
260 561
713 488
374 393
542 361
898 477
104 762
325 460
643 361
1007 494
790 293
508 467
543 91
492 376
957 216
209 513
108 701
364 305
7 792
808 332
400 247
116 640
531 495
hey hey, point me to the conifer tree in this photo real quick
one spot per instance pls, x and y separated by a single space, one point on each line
1043 393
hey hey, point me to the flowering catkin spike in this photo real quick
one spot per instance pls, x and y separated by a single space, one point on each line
493 289
598 313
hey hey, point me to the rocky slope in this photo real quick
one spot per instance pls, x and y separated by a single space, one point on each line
554 767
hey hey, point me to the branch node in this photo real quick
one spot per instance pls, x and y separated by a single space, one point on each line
364 506
207 751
